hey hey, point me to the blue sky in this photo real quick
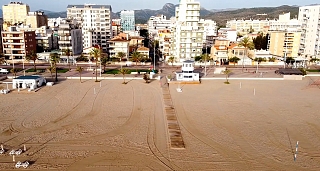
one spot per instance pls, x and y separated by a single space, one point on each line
117 5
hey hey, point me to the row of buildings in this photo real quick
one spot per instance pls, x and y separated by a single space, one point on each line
86 26
183 36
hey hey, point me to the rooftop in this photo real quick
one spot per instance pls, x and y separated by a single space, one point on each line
89 6
28 77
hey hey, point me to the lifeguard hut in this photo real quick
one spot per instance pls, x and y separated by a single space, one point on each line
187 73
32 82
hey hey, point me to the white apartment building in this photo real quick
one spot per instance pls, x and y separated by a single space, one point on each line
119 44
127 20
187 31
228 33
95 22
284 36
309 16
156 23
210 30
247 26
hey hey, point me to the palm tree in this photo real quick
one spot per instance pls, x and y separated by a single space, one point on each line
32 56
14 71
67 52
123 71
246 43
104 62
234 60
227 73
96 53
121 55
171 60
80 69
55 58
2 59
136 57
51 70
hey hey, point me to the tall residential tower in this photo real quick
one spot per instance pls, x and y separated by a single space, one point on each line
187 31
95 22
309 16
127 20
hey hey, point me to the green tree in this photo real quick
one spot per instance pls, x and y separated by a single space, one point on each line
32 56
260 42
55 58
260 60
80 69
289 60
197 58
313 60
273 59
121 55
227 73
123 71
136 56
171 60
96 53
67 52
234 60
247 44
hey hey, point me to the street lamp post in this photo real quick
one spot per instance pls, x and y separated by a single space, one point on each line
154 57
205 62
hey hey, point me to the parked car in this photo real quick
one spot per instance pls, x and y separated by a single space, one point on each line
4 71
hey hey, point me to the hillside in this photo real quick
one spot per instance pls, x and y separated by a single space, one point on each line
1 13
247 13
142 16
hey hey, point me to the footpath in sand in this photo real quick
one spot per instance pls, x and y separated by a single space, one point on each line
124 127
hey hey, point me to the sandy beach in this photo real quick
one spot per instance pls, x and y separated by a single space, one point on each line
82 126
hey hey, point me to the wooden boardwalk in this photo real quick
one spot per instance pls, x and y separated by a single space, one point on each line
176 140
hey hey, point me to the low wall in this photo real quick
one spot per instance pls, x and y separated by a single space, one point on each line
292 77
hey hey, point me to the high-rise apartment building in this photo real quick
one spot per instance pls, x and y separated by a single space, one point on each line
156 23
36 19
16 44
14 12
127 20
309 16
187 31
70 37
95 22
284 37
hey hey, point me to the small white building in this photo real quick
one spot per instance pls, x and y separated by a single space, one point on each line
31 82
187 72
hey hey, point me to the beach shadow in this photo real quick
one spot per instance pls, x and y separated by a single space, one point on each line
292 151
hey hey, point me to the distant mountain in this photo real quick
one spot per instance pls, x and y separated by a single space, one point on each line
251 13
221 10
142 16
1 13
